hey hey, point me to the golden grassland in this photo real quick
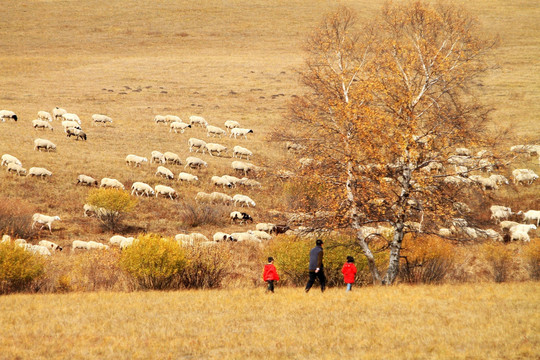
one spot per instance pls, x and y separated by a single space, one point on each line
472 321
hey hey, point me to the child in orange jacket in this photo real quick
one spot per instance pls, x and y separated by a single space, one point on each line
349 272
270 274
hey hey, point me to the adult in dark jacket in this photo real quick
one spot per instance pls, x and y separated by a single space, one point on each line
316 267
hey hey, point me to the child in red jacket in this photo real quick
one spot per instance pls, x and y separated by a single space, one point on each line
270 274
349 272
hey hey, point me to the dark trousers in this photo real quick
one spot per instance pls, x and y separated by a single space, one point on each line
314 275
270 285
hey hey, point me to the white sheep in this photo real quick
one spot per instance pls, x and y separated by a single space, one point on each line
157 157
242 166
492 234
172 158
16 168
184 239
261 235
163 171
231 124
58 112
463 152
117 239
41 124
139 188
183 176
8 159
96 245
38 249
507 224
267 227
522 228
532 215
526 149
486 183
71 117
445 232
525 176
126 243
242 216
218 197
166 191
220 181
111 183
44 220
100 118
240 132
40 172
203 197
198 237
195 163
214 131
172 118
89 210
196 144
44 144
499 212
86 180
7 114
221 236
68 124
198 120
159 118
243 200
218 148
245 236
178 125
50 245
135 160
499 179
240 152
249 182
520 235
78 133
232 179
44 115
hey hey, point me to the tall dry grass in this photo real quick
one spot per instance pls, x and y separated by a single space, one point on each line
474 321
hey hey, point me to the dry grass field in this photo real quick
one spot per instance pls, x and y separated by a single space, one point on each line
474 321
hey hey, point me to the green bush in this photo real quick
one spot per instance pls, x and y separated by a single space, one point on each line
206 267
155 262
291 257
18 268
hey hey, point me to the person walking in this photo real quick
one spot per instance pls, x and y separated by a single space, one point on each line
270 274
349 272
316 267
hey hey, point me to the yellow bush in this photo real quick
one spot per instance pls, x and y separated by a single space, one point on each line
114 203
206 267
155 262
499 257
18 268
532 257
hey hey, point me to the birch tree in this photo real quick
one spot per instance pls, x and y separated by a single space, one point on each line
386 107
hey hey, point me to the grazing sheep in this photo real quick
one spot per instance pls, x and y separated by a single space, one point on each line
172 158
58 112
196 143
232 179
267 227
221 236
136 160
166 191
195 163
178 125
522 228
261 235
240 132
245 236
6 114
214 131
463 152
231 124
37 171
499 179
111 183
16 168
526 149
507 224
492 234
217 197
485 183
139 188
157 157
99 118
78 133
520 235
456 180
215 147
184 239
6 239
44 115
243 200
198 120
70 125
203 197
220 181
187 177
241 216
50 245
86 180
159 118
44 220
445 232
126 243
499 212
242 166
90 210
96 245
41 124
198 237
461 160
44 144
525 176
163 171
8 159
71 117
38 249
117 239
532 215
249 182
172 118
240 152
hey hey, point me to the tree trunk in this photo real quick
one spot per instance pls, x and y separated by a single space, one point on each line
395 249
376 277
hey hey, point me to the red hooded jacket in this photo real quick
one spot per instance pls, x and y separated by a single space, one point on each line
349 271
270 272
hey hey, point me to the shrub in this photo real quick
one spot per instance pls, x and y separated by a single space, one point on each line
499 257
197 215
18 268
206 266
114 202
16 218
532 257
155 262
426 259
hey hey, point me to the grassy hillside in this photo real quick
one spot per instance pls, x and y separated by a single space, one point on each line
222 60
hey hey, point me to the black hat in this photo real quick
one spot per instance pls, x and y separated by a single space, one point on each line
319 242
350 259
270 259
